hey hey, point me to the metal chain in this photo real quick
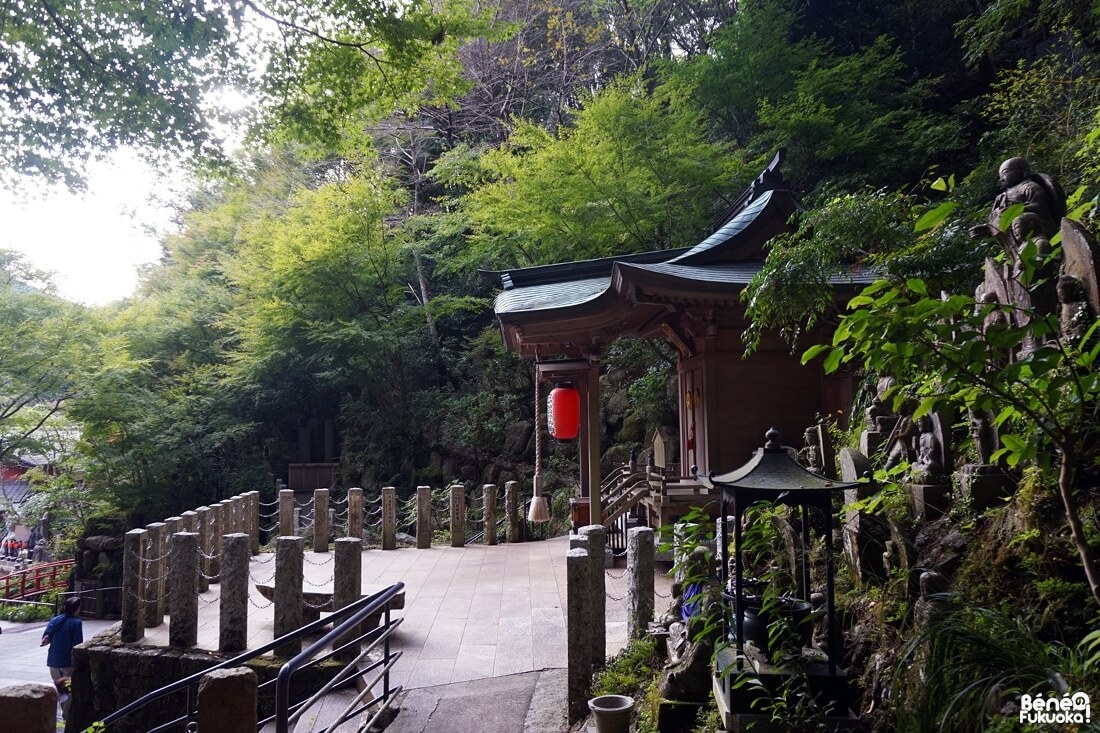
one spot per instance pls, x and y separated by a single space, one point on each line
338 501
326 606
620 598
661 595
208 602
252 600
616 577
269 560
318 564
307 581
257 581
269 503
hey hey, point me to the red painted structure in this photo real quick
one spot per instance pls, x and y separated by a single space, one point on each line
563 413
35 580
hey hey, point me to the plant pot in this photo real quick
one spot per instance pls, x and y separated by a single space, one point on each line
611 713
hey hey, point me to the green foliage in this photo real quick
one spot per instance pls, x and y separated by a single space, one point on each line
25 612
628 671
956 673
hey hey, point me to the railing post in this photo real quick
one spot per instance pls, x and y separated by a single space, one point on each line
597 542
133 622
253 522
155 569
423 517
233 606
188 520
347 585
355 514
183 596
640 556
227 700
511 512
580 621
288 591
389 518
489 506
458 516
320 520
287 527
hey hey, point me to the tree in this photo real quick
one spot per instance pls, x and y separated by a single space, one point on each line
1045 401
49 345
80 79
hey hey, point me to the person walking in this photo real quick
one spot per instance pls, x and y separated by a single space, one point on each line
62 633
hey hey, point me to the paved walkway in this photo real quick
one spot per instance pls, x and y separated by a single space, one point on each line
470 613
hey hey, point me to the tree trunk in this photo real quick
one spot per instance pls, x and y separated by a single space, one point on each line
1066 474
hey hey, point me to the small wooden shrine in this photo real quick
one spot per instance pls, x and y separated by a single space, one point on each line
564 316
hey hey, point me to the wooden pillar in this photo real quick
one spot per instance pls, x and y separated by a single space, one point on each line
592 419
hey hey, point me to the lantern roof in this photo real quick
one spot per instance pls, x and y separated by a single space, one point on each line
774 474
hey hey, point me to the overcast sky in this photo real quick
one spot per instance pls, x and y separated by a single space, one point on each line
94 242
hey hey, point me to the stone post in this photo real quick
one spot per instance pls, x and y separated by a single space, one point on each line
640 556
320 520
511 511
183 593
489 505
355 514
288 591
458 516
155 568
29 708
347 585
597 542
133 620
217 529
204 529
423 517
187 521
389 518
239 518
580 622
227 701
287 527
233 606
253 522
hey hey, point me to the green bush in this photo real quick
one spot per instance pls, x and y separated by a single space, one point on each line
25 612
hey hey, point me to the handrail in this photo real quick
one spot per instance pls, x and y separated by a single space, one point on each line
364 606
36 573
379 601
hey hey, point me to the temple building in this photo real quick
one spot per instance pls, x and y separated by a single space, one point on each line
564 316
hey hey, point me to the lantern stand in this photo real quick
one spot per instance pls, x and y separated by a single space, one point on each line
539 510
774 475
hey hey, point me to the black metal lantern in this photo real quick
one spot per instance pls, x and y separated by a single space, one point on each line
774 475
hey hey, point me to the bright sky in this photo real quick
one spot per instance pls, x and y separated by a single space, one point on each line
92 242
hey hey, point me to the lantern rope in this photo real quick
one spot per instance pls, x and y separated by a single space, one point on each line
539 511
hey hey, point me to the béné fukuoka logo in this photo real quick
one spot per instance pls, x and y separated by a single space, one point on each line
1067 708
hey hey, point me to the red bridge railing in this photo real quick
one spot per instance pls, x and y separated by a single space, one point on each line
36 579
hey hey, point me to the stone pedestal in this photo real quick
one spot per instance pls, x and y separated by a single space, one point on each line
423 517
227 700
928 501
233 609
984 485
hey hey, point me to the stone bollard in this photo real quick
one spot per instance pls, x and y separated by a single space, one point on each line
183 592
347 586
29 708
489 505
458 516
287 524
223 523
133 620
227 700
204 528
188 520
320 520
238 525
355 514
580 622
288 591
253 522
640 556
389 518
511 511
423 517
233 606
155 568
597 542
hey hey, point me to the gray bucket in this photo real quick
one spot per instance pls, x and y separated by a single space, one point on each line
611 712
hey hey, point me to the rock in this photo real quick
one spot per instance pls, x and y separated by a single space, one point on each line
516 438
103 543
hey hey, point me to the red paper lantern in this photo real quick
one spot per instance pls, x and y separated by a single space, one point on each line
563 413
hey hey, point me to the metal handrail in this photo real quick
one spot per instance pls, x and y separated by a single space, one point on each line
359 610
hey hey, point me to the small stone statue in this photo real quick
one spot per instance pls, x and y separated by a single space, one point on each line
1039 195
928 468
932 605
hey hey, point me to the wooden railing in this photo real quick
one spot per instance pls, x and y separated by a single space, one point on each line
36 579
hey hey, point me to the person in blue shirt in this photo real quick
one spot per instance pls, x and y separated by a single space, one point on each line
62 634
